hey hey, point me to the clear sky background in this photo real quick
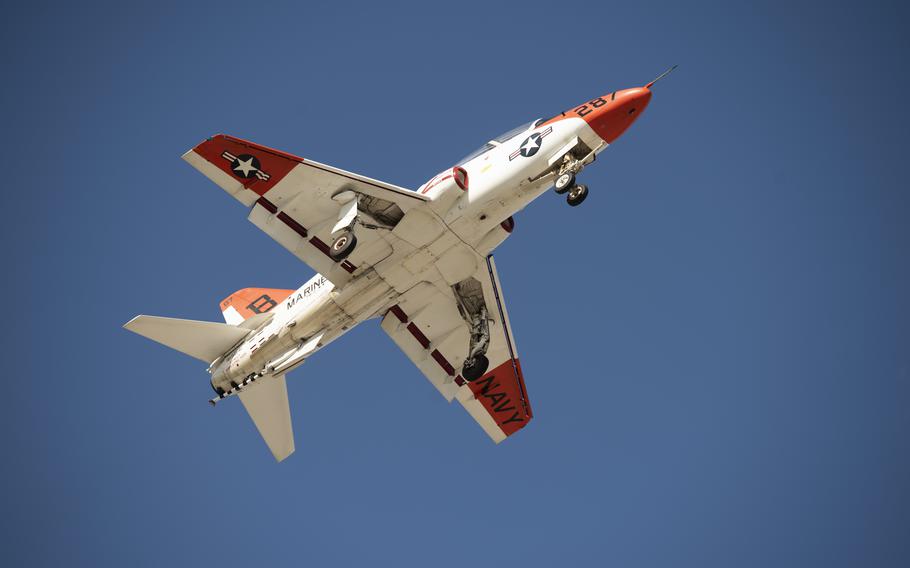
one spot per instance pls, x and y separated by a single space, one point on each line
716 344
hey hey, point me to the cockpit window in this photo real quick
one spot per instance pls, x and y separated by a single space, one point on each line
482 150
499 140
514 132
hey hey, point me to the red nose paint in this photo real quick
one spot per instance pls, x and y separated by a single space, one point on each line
611 115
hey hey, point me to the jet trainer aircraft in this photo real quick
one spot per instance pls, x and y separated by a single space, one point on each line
419 260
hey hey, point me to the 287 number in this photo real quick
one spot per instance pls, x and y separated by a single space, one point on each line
589 106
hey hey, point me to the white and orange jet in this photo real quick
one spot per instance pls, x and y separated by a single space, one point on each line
421 261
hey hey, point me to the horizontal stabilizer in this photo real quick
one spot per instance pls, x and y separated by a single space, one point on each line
203 340
266 401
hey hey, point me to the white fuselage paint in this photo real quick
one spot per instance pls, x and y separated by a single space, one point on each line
498 188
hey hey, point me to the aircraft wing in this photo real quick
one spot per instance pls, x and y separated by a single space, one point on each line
291 200
429 326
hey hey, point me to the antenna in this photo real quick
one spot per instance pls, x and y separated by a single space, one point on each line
661 76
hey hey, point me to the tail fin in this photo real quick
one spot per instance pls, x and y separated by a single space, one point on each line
246 303
203 340
266 402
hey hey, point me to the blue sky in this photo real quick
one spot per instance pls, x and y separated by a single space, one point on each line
715 344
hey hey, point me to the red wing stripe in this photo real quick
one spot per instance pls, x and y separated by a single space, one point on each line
446 366
418 335
267 205
422 339
301 230
399 313
284 217
316 242
298 228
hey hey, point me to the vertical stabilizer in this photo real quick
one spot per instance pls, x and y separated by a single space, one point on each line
250 302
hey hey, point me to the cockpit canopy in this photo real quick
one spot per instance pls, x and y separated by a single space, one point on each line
499 140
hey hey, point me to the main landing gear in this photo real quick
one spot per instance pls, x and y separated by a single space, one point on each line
343 245
359 209
343 239
473 309
475 367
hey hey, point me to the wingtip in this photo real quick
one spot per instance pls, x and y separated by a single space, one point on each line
188 154
283 456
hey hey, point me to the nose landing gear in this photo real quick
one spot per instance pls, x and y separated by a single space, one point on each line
565 180
576 195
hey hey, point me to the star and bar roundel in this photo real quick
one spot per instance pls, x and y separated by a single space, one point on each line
531 144
245 166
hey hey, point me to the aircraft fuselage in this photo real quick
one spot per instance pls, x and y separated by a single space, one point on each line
497 183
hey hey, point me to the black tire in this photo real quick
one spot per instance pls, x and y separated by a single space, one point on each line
564 182
476 369
576 195
343 246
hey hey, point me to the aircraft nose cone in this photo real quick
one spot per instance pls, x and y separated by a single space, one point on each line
622 108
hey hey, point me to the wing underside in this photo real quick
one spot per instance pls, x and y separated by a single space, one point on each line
296 201
433 326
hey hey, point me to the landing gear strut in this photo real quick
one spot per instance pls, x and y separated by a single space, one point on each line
565 180
477 363
473 309
343 231
358 209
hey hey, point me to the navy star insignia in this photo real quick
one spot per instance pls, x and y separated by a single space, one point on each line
245 166
531 144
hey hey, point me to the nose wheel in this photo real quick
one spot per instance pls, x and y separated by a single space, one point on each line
564 182
576 195
565 178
